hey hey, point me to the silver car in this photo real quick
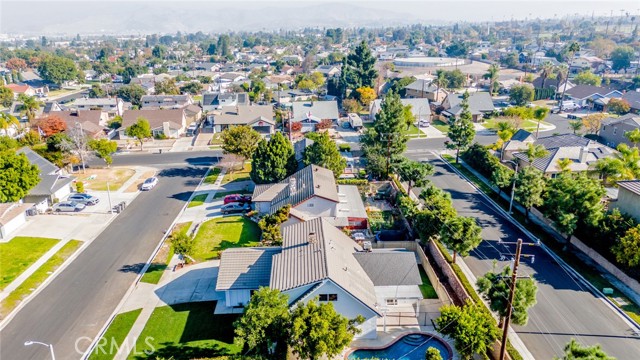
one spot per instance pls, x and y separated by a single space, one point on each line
149 184
235 208
68 206
83 199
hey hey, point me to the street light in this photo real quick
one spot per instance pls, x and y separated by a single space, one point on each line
29 343
513 188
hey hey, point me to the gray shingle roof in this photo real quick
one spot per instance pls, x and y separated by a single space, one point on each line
245 268
244 115
630 119
562 140
633 98
584 91
631 185
314 251
43 164
421 84
478 102
390 267
318 109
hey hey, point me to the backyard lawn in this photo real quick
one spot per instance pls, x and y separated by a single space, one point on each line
186 331
238 175
115 334
20 253
222 233
427 290
380 220
96 179
163 257
198 200
38 277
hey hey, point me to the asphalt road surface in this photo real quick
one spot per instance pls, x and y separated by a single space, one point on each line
565 308
79 301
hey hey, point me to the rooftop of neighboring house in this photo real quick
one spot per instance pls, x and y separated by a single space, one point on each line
585 91
422 85
316 110
213 98
9 211
90 120
44 165
50 180
18 88
420 108
519 140
156 118
630 185
633 98
165 99
629 119
96 101
244 114
310 181
479 102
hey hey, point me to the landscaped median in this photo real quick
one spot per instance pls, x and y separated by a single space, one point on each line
38 277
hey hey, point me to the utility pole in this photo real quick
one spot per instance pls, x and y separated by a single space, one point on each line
512 291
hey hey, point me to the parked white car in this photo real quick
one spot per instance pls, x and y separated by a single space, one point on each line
68 206
149 184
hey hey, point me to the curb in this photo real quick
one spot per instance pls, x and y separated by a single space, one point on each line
626 318
116 311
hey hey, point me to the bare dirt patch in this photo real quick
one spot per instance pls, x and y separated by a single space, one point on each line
96 179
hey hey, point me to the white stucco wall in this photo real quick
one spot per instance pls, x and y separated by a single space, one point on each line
406 294
628 203
62 192
12 225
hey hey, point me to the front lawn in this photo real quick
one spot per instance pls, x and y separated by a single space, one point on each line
529 125
186 331
238 175
441 125
197 200
222 233
163 257
38 277
20 253
96 179
413 131
115 334
212 176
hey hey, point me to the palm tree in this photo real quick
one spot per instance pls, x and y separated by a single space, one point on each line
607 168
30 105
630 162
492 75
633 136
573 48
576 125
535 152
547 70
440 82
563 164
7 120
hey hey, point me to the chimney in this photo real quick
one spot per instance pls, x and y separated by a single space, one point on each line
312 238
583 154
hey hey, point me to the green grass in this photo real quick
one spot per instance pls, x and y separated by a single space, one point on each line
38 277
427 290
197 200
380 220
238 175
212 176
221 194
163 257
216 139
197 98
367 125
222 233
20 253
441 125
186 331
413 131
115 334
528 124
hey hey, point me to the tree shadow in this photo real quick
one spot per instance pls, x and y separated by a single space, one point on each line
202 160
133 268
183 196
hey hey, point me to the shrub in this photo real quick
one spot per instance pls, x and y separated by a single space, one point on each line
160 136
80 186
352 182
344 147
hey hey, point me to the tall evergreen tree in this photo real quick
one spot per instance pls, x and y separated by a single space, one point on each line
324 152
461 234
530 184
461 130
358 70
273 160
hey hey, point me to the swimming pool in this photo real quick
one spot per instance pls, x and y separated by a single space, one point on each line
408 347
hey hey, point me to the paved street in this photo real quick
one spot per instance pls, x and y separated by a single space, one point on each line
565 308
79 301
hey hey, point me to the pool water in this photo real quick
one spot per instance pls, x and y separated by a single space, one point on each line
409 347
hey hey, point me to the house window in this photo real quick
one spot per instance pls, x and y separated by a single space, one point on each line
392 301
328 297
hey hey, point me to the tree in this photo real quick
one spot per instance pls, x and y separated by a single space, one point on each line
633 136
575 351
264 323
6 121
433 354
571 200
240 140
358 70
539 113
521 94
386 140
606 168
104 148
587 78
627 249
415 173
501 177
461 130
440 81
8 143
6 96
366 95
273 160
461 234
96 91
57 69
183 244
457 49
17 176
536 151
621 58
140 130
547 70
324 152
317 330
30 105
51 124
563 72
592 122
132 93
564 164
350 105
192 87
629 162
619 106
492 76
472 328
437 210
495 288
167 87
16 64
575 125
158 51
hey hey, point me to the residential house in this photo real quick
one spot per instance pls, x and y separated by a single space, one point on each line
581 151
17 109
165 101
633 98
21 89
318 261
12 216
259 117
424 89
612 130
94 123
193 113
420 108
298 149
170 123
289 96
593 97
112 106
215 100
480 103
312 192
52 106
275 81
311 113
518 142
629 198
328 70
53 186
